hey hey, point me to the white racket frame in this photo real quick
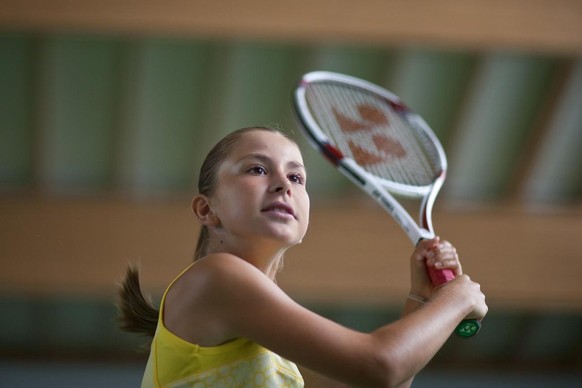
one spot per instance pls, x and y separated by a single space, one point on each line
380 189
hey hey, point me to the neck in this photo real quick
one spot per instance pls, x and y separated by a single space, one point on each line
265 255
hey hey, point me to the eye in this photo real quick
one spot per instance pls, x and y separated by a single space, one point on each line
257 170
297 178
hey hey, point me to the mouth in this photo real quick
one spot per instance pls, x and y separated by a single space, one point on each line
280 208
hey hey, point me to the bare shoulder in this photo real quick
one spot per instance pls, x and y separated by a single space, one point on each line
200 302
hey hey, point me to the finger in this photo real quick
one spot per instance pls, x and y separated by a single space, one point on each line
447 264
446 251
450 261
424 247
446 246
429 244
446 243
449 255
442 253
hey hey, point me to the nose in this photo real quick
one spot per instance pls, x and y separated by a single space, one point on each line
281 184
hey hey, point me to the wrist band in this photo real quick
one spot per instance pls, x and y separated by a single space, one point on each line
417 298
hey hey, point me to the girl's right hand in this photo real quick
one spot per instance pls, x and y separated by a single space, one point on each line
463 288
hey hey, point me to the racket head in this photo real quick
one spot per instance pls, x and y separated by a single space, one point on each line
351 119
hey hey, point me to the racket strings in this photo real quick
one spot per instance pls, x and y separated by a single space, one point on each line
364 127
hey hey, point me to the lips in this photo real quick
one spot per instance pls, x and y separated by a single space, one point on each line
280 207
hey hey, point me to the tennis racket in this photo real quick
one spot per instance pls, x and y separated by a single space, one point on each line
380 145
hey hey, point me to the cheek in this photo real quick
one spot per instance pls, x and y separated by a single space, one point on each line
236 200
222 202
305 206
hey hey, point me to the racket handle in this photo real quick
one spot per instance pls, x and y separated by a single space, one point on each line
440 276
468 327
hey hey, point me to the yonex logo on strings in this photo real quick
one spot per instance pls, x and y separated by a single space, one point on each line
384 147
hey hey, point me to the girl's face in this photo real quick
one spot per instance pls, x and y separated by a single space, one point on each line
260 194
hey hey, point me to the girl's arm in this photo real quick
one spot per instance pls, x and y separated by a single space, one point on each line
244 302
441 255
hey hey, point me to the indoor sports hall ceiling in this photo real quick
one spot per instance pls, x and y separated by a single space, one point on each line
104 100
99 107
89 112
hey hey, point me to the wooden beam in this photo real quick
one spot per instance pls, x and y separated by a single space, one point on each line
540 25
353 253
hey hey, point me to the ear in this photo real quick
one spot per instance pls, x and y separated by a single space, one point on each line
202 210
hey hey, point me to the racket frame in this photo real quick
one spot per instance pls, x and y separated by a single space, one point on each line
378 188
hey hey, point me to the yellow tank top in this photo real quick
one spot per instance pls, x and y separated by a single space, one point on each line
174 362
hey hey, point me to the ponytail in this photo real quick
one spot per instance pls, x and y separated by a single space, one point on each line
136 313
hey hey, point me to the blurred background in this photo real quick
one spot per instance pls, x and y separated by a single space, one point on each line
107 109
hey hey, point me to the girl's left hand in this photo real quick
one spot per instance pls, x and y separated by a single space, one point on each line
444 256
434 253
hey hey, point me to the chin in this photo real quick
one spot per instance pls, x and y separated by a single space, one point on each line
285 236
287 240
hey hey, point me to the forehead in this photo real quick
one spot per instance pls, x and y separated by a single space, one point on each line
270 143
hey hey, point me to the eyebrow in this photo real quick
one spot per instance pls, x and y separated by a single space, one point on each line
264 158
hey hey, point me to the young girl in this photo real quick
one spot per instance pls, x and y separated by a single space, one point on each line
224 321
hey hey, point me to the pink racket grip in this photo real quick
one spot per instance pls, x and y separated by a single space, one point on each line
440 276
